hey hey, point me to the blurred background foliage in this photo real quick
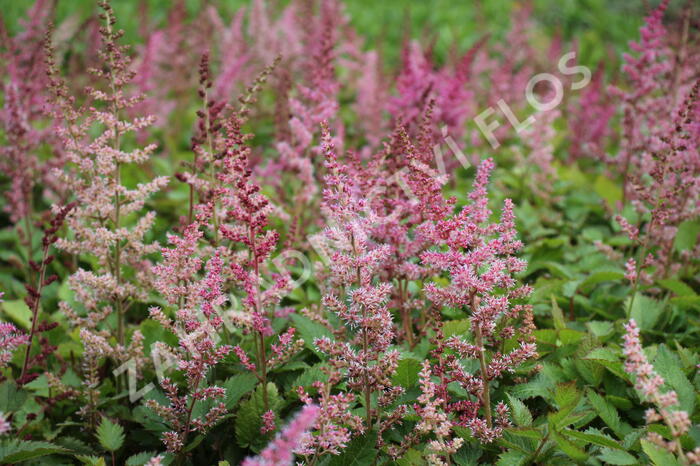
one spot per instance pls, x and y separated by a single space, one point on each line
601 28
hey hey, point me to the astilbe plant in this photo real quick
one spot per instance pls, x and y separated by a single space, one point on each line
666 199
21 117
252 243
197 323
665 403
364 360
404 195
645 107
97 223
479 257
590 117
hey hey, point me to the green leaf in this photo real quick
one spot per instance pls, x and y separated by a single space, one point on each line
140 459
110 435
607 358
659 456
567 398
668 366
678 287
18 312
407 372
456 327
526 432
412 457
310 331
617 457
603 354
237 386
568 336
568 447
602 276
557 315
600 328
594 438
521 415
91 460
645 311
686 302
687 235
608 189
512 458
608 414
11 399
15 451
360 451
566 395
249 418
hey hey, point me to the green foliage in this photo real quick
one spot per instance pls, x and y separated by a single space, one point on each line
249 417
110 435
361 451
16 451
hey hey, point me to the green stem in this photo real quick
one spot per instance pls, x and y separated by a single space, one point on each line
35 311
485 392
117 197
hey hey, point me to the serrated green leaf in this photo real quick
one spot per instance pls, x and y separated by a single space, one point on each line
140 459
659 456
521 415
526 432
512 458
407 372
566 395
360 451
567 398
601 276
412 457
568 447
608 359
617 457
687 235
249 417
11 398
456 327
15 451
603 354
91 460
645 311
18 312
600 328
110 435
678 287
608 414
237 386
568 336
557 315
594 438
668 366
310 331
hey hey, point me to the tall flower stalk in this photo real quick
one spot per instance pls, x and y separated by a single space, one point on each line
94 175
365 358
480 259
